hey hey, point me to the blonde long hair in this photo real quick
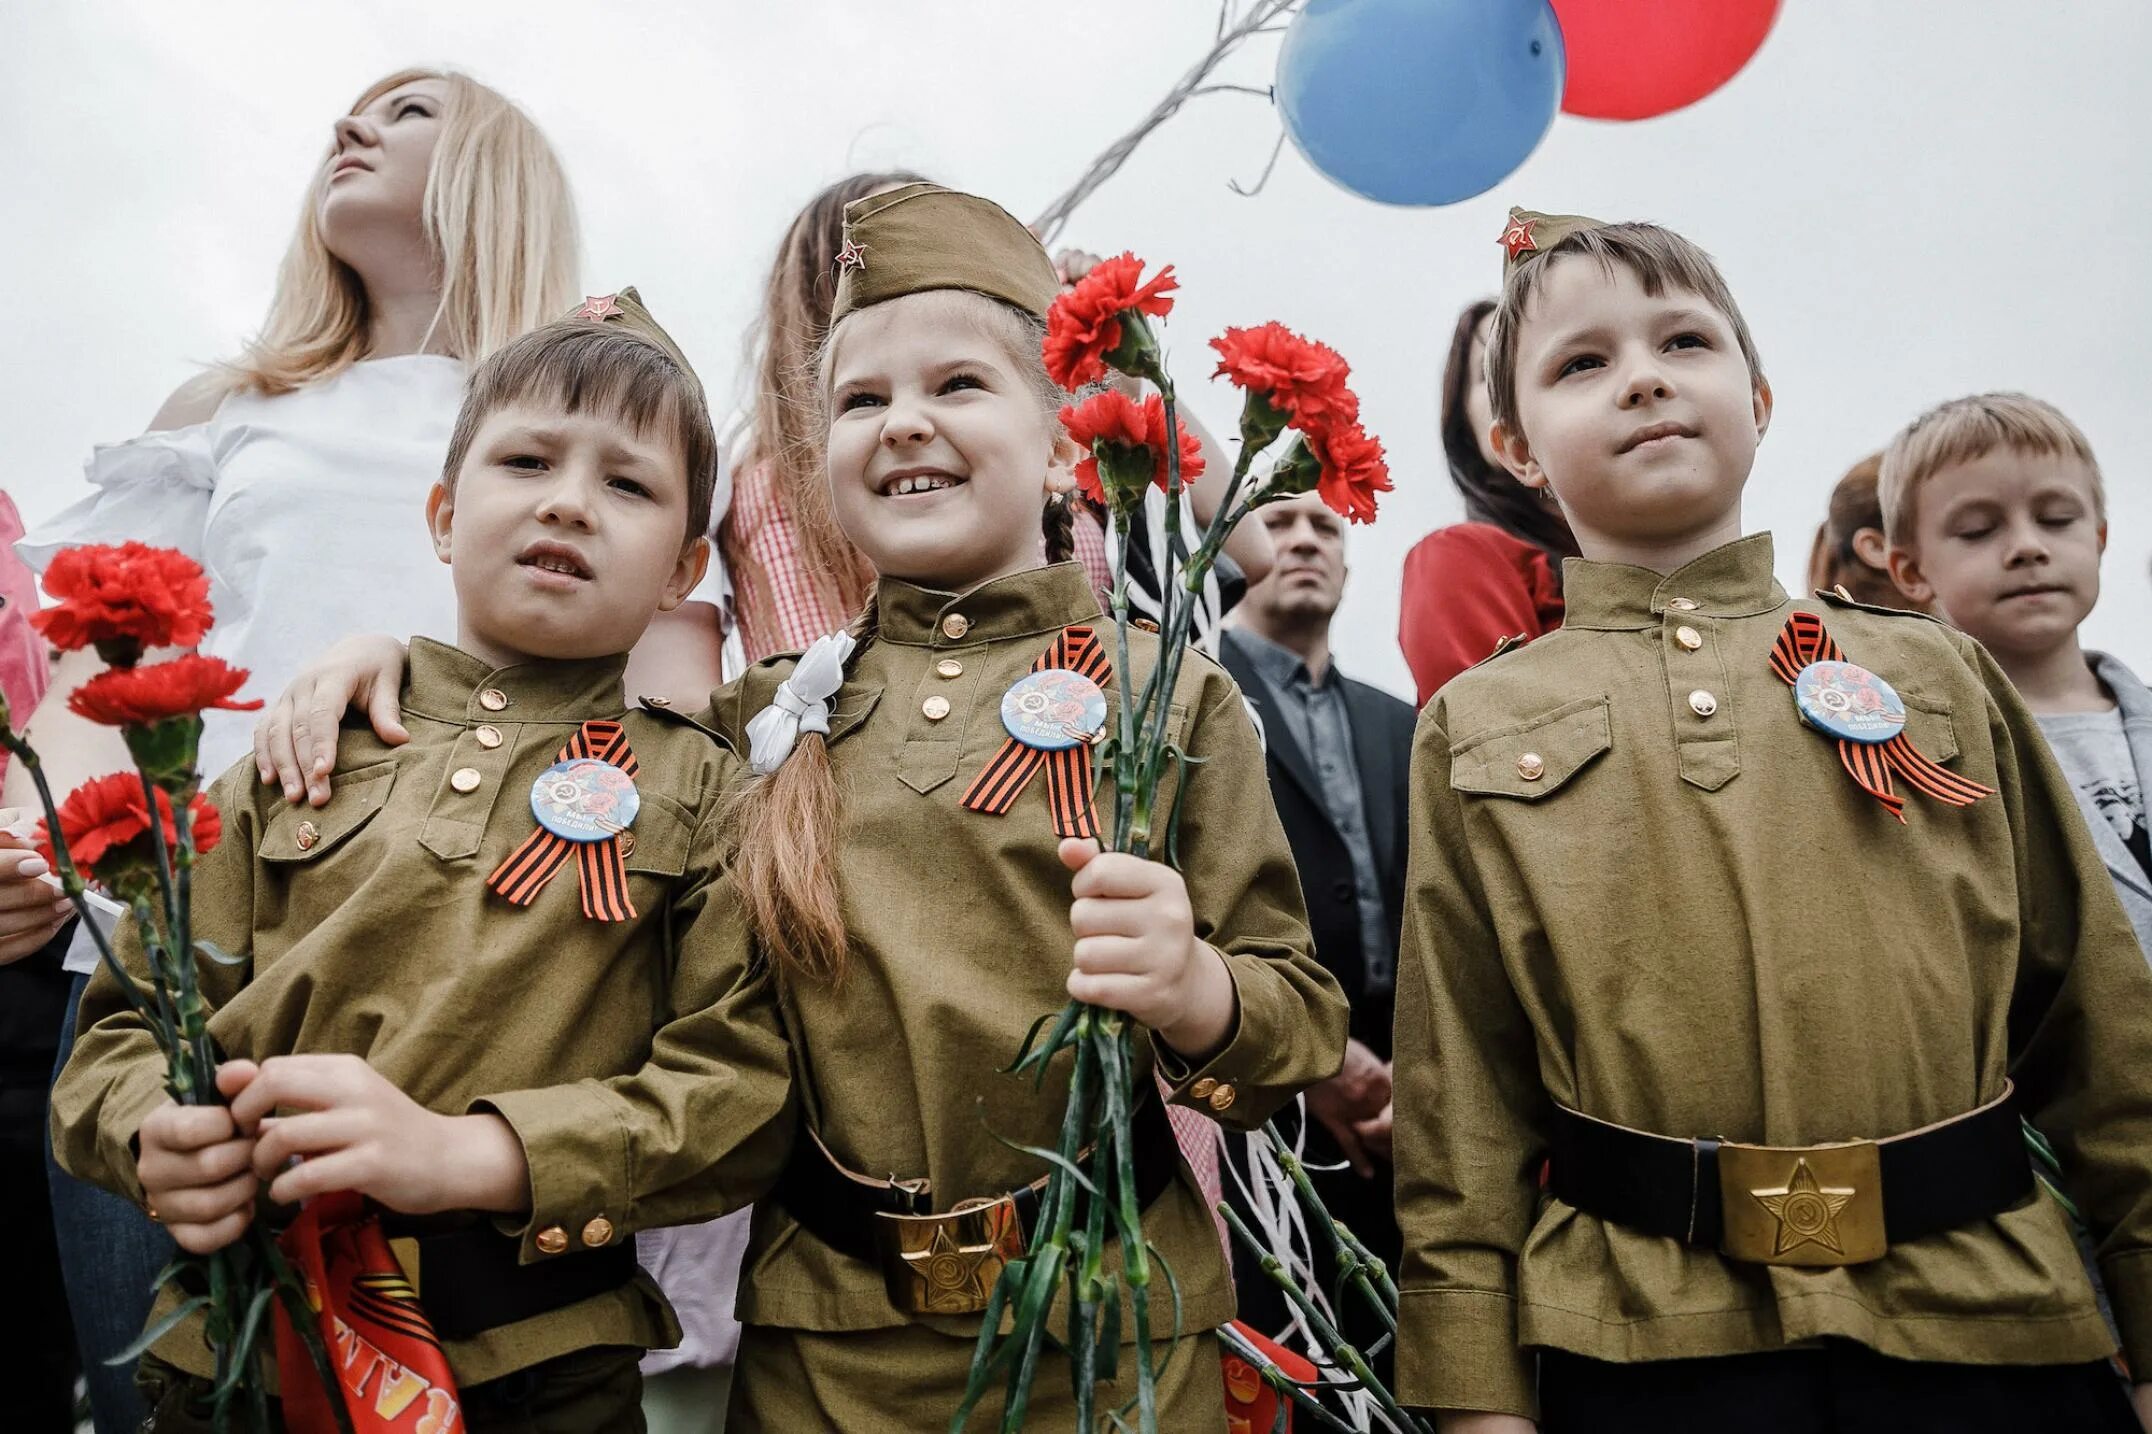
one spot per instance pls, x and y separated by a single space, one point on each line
500 222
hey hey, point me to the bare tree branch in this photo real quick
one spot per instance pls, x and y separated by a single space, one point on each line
1259 19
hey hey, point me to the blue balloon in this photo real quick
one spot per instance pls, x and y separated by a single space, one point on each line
1420 101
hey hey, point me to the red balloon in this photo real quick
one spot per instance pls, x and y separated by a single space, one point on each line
1632 59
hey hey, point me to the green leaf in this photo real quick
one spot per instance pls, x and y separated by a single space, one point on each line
243 1343
159 1330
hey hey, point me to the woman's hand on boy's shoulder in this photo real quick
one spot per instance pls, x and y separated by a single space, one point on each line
295 740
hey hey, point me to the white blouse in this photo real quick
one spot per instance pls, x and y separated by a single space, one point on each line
307 510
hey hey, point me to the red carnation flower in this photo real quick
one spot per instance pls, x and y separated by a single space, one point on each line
1124 445
132 596
1085 328
1354 469
105 817
141 696
1300 378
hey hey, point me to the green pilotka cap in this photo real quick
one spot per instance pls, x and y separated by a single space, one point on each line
922 236
1528 232
626 309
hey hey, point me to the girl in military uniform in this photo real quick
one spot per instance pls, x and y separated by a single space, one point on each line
917 935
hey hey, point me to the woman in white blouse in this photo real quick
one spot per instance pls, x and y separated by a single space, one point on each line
438 226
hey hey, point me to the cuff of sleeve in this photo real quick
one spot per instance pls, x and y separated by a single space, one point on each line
579 1169
1457 1349
1214 1086
2128 1278
125 1106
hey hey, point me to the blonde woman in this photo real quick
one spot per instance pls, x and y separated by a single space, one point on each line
437 226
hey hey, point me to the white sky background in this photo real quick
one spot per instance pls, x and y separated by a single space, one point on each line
1911 202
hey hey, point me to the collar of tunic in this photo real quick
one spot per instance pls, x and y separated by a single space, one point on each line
450 685
1037 600
1730 581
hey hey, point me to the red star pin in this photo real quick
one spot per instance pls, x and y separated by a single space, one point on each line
599 309
852 256
1518 236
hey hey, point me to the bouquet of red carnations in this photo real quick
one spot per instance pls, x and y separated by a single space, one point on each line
1301 421
136 835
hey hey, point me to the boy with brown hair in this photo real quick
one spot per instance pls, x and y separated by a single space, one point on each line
1719 1128
498 986
1995 512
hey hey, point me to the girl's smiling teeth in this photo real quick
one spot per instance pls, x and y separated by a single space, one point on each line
906 483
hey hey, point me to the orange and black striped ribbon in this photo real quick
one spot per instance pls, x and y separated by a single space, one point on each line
600 864
1804 640
1069 777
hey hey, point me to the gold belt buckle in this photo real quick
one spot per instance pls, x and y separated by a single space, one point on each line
1814 1205
947 1264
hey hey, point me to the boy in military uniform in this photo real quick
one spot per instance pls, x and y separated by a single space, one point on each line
1719 1128
498 985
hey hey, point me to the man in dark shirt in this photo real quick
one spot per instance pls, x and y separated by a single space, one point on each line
1339 752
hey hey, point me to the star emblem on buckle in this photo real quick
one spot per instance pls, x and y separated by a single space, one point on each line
1806 1210
953 1278
852 256
1518 237
599 309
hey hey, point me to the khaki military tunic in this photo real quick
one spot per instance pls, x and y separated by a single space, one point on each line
960 940
1641 888
643 1096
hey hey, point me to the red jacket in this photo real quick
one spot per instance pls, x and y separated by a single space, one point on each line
1466 588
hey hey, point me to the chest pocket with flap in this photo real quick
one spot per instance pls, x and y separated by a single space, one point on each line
302 833
1535 758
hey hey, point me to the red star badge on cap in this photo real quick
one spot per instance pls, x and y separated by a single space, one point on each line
1518 236
599 309
852 256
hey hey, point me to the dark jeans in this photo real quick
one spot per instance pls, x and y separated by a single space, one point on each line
41 1357
1838 1388
593 1391
110 1253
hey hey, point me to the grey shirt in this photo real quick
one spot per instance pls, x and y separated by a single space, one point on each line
2094 751
1317 720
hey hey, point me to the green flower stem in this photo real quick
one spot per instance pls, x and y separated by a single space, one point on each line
1279 1381
1354 1259
1342 1351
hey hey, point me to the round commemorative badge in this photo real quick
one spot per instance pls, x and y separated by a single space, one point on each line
1053 709
1846 701
584 799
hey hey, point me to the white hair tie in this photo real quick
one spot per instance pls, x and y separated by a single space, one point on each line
801 703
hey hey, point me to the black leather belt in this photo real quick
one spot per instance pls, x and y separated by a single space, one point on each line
942 1262
1840 1204
469 1280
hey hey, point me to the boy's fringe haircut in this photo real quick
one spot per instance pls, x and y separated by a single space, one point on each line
1965 429
1661 260
577 366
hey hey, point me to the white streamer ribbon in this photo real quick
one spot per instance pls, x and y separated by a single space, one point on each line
801 703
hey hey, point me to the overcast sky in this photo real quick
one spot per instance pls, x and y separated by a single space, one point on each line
1910 201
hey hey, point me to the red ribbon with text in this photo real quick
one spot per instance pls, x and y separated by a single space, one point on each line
390 1371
